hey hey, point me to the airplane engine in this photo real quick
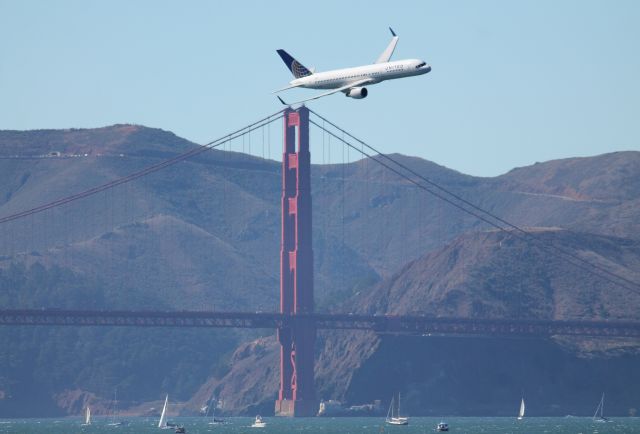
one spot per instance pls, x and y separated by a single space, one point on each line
358 93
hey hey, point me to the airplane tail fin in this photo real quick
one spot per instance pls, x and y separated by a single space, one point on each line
386 54
297 69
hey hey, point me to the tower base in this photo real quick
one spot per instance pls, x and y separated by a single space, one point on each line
298 408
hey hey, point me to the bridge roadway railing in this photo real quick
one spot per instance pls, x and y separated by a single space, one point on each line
417 325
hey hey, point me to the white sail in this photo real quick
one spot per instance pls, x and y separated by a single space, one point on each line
521 412
600 409
163 416
87 416
395 418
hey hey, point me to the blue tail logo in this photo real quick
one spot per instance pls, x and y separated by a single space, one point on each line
297 69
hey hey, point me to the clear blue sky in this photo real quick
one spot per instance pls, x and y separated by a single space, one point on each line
513 82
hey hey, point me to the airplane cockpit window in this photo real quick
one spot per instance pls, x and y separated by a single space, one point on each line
421 65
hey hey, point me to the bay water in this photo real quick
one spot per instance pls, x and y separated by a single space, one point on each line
369 425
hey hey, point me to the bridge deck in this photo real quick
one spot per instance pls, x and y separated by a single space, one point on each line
419 325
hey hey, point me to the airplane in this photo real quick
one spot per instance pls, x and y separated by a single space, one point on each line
352 81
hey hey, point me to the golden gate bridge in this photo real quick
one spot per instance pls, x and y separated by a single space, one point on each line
297 321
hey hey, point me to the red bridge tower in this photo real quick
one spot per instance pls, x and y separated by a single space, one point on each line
297 395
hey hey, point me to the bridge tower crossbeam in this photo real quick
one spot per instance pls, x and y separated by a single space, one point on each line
297 395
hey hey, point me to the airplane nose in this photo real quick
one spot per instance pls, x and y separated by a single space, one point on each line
428 68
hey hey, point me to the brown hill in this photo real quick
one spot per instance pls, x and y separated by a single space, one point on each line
610 177
487 275
496 275
204 234
111 140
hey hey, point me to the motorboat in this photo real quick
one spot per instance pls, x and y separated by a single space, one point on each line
258 423
442 426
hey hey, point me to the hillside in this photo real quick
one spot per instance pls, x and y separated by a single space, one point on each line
483 275
610 177
496 275
204 234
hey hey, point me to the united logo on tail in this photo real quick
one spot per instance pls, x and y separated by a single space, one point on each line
297 69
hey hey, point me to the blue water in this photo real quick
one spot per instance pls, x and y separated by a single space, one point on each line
418 425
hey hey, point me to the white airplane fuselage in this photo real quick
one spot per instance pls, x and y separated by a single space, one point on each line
351 81
376 72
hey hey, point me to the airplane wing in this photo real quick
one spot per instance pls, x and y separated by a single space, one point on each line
386 54
332 91
286 88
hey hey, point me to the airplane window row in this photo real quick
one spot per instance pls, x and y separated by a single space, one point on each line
356 76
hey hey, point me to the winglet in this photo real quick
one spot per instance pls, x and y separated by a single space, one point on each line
386 54
282 101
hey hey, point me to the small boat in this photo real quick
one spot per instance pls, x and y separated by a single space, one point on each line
87 417
162 423
214 420
442 426
180 430
396 419
521 412
600 409
258 423
114 415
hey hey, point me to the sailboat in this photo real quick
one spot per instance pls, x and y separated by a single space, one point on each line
87 417
162 423
521 412
396 419
600 409
212 405
114 414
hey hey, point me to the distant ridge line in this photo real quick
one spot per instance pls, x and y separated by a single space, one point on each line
146 171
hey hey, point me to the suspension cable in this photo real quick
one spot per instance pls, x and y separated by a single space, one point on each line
477 208
477 211
146 171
